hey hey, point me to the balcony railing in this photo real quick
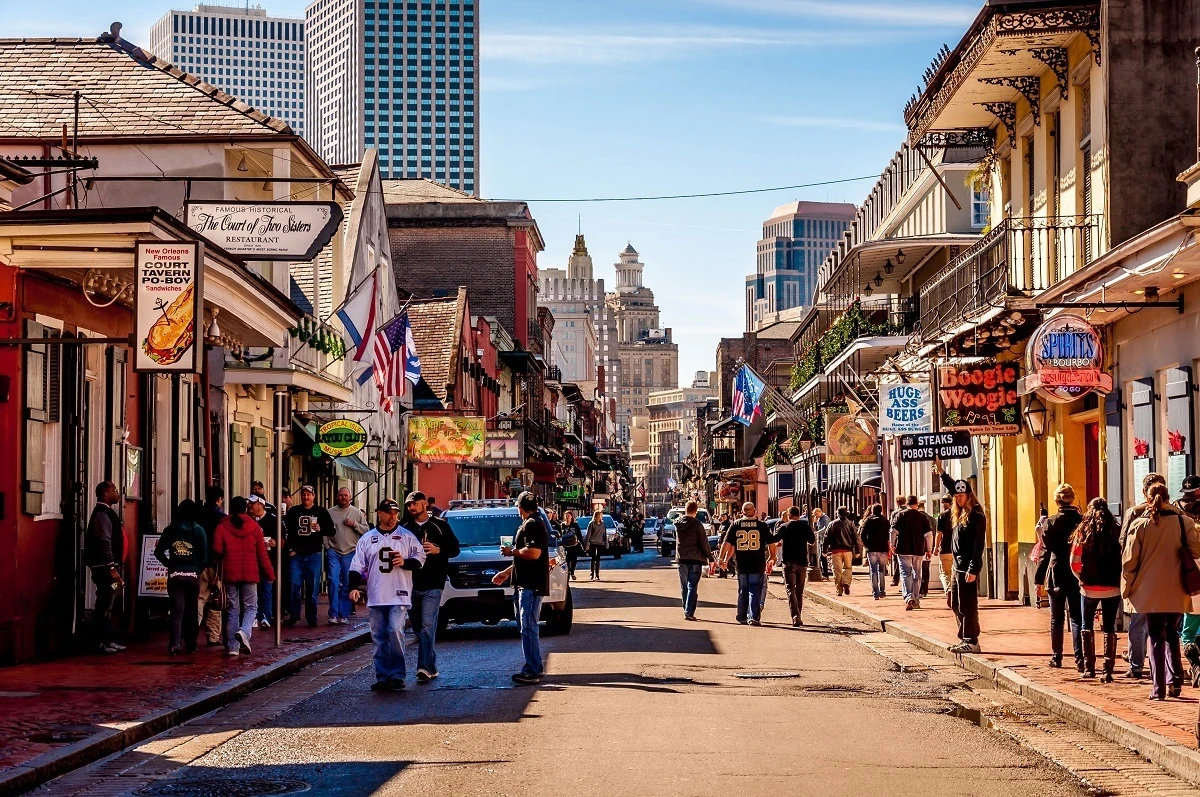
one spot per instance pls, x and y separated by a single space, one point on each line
536 342
885 318
1020 257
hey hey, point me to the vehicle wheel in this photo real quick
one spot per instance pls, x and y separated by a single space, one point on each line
559 623
662 551
616 555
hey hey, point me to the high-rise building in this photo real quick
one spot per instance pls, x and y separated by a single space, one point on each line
399 77
796 240
649 359
242 51
577 298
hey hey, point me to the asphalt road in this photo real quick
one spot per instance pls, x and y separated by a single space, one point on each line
636 702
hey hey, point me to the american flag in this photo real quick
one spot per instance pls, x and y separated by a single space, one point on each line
747 396
395 360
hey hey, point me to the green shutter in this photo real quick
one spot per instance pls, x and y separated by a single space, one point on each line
34 482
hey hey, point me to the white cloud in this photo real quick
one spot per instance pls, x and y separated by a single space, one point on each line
570 47
836 123
906 13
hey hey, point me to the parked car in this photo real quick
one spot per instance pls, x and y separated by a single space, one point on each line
666 539
702 515
651 529
471 597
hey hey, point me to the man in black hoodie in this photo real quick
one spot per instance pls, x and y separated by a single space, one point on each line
104 553
304 527
440 544
1054 574
692 553
793 538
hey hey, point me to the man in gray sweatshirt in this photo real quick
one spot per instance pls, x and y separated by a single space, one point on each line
349 525
692 553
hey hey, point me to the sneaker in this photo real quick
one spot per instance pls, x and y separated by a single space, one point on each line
690 617
231 652
380 686
967 647
909 606
117 645
244 639
525 679
422 676
755 622
109 647
1174 690
264 624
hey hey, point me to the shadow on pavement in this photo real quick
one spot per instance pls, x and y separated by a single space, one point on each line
623 599
616 638
337 779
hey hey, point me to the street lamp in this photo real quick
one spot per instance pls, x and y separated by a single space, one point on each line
806 442
900 256
1035 417
878 279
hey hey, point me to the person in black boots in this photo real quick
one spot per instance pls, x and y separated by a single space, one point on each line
1096 561
1055 577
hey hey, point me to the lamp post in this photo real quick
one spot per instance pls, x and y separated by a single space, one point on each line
282 422
1035 417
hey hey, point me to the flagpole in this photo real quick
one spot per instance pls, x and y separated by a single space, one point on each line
352 292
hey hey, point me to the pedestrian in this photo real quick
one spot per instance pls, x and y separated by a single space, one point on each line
876 539
349 524
572 542
1189 505
692 553
820 526
596 539
793 537
244 563
530 574
210 602
1054 576
719 531
440 545
1135 624
969 527
912 539
926 561
269 523
1096 562
434 509
384 562
748 542
942 540
259 490
1151 583
104 554
305 526
841 543
182 549
901 506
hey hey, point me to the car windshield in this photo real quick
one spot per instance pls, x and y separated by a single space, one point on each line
609 522
675 514
484 528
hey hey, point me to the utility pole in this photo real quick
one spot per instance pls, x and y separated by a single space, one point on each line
283 419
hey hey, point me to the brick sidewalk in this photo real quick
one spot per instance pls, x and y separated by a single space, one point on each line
1018 637
45 706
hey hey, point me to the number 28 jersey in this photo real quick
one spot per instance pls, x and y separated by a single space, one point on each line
749 538
376 559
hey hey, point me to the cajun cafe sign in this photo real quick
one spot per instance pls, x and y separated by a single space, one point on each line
266 230
981 399
905 409
1065 358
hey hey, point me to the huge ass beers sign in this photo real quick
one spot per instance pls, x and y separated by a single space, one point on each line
981 399
168 304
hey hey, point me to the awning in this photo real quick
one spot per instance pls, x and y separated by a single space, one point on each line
354 469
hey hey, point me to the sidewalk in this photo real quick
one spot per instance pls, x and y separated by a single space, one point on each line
61 714
1016 651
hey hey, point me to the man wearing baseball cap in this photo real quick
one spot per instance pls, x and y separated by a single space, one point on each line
440 544
305 526
385 559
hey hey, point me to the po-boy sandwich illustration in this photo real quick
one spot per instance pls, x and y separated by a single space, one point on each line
171 335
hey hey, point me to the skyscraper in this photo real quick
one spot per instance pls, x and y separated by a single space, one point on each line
796 240
401 77
242 51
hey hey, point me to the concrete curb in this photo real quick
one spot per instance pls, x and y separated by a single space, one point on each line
70 757
1175 758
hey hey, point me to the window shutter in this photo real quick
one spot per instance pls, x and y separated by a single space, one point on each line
1143 426
1179 427
1112 451
115 409
53 378
35 420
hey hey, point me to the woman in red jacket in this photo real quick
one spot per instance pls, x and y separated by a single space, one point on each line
244 561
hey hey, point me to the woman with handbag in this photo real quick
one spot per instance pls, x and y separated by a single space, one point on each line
1054 577
572 541
1158 578
1096 562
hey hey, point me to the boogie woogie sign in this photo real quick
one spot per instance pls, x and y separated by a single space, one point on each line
905 409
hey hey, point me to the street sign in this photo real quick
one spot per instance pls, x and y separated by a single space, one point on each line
936 445
266 230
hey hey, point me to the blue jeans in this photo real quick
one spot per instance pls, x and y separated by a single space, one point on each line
1137 641
529 605
266 601
304 572
242 598
337 567
877 561
750 587
387 635
689 580
910 578
426 603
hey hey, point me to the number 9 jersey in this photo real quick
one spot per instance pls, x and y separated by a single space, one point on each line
376 559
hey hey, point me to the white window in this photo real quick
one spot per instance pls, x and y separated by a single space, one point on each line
980 204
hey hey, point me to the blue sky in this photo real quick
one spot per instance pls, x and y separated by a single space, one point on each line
636 97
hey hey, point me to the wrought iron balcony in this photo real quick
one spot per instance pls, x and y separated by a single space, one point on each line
862 319
1019 258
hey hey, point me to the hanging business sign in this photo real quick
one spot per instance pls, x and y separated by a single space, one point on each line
935 445
850 440
504 449
980 399
341 438
266 230
905 409
446 439
1065 359
168 303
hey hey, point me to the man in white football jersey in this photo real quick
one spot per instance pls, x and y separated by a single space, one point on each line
385 559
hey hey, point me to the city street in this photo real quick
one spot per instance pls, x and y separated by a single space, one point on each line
636 701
